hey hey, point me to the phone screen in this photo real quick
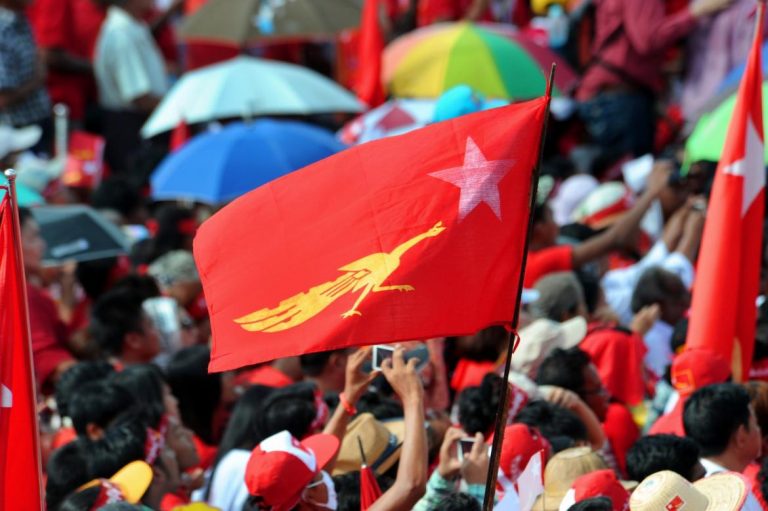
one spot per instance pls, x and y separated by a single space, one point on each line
380 354
465 447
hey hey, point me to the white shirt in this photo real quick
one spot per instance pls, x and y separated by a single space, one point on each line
657 340
128 63
228 490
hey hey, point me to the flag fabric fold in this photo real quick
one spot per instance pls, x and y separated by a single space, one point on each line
367 85
723 310
20 479
369 488
409 237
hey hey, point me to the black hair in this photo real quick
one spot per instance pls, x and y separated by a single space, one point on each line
24 215
654 286
143 285
478 406
145 383
97 402
123 442
713 414
76 376
593 504
348 489
82 500
122 506
561 427
94 276
539 213
115 314
564 368
198 391
486 345
655 453
456 501
119 194
312 364
168 236
290 408
679 334
66 471
379 405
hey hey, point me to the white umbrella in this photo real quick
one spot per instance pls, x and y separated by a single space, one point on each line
395 117
248 86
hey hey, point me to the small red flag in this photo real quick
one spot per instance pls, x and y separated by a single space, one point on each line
723 311
20 479
409 237
370 48
369 488
179 136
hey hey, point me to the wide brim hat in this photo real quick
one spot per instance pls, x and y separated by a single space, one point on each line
381 442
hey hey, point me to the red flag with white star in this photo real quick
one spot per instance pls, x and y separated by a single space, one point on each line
20 472
723 311
409 237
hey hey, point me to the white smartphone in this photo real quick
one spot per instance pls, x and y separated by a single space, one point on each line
380 354
464 447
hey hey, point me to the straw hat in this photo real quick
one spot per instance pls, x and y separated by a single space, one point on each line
725 491
561 472
129 484
541 337
380 444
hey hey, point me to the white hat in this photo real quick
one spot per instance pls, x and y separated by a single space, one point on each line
541 337
13 140
570 194
725 491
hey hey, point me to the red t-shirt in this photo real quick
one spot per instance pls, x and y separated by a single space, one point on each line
49 335
622 432
432 11
671 423
545 261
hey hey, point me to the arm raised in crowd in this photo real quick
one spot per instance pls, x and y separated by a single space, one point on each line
410 483
571 401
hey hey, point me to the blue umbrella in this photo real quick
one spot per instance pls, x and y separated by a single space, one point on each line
220 166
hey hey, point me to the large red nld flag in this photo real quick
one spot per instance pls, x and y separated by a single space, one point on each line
409 237
723 311
20 480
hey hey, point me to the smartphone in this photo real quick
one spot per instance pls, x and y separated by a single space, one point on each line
465 447
380 354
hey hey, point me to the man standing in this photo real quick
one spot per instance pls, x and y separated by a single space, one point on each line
23 99
131 77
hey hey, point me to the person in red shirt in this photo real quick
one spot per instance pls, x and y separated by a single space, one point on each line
545 256
620 85
436 11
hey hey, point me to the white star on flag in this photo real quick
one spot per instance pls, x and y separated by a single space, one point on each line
478 180
6 397
750 167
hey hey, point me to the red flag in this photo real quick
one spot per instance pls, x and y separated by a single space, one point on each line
407 237
369 488
84 167
179 136
20 480
370 48
723 311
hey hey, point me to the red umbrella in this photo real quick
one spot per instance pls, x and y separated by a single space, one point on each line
369 487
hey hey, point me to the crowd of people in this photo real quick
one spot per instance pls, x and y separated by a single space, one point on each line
603 389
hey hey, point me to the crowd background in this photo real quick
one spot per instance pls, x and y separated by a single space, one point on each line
601 383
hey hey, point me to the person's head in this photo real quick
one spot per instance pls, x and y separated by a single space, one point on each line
485 346
654 453
348 489
572 369
657 285
93 406
172 228
32 243
561 297
76 376
66 471
326 369
123 196
242 431
294 408
545 228
722 421
181 440
593 504
561 427
122 329
198 392
758 395
177 276
16 5
479 405
456 501
146 382
284 474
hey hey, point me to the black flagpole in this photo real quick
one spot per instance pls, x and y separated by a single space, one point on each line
501 414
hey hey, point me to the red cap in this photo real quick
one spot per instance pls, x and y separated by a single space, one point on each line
696 368
281 467
600 483
520 443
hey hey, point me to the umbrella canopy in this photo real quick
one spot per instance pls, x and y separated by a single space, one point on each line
428 61
78 233
248 86
394 117
24 194
237 22
708 137
220 166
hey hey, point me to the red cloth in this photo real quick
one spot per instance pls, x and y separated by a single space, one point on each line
180 136
759 370
263 375
542 262
622 432
206 453
618 356
173 500
670 423
200 54
751 473
20 470
423 237
470 374
434 11
369 488
723 312
49 335
646 31
62 437
368 85
695 368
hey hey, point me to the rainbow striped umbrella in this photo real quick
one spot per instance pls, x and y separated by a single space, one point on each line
493 60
